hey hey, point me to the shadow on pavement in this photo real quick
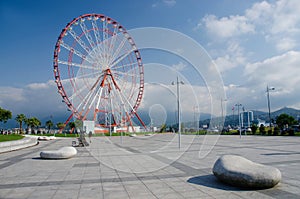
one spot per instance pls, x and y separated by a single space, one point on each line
211 181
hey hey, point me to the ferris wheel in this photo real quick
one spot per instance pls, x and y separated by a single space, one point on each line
98 71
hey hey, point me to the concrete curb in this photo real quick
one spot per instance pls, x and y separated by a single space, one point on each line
18 144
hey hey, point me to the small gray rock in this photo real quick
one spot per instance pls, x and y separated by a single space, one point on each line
241 172
63 153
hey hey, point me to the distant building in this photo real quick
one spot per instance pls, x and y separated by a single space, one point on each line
259 122
246 118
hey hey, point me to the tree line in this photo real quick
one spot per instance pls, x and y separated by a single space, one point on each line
31 122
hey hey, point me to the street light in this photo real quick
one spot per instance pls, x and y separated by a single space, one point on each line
178 108
238 105
223 121
269 107
196 124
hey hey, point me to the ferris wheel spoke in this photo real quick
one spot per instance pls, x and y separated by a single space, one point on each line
96 32
88 103
123 66
87 33
79 54
80 77
98 38
104 35
121 58
118 50
99 98
96 94
112 43
77 92
88 96
79 40
76 64
123 73
126 100
115 94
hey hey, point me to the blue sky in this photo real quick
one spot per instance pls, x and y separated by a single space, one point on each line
253 43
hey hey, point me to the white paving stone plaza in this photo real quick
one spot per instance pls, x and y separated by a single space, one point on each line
147 167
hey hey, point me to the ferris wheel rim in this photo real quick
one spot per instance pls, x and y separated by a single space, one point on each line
59 81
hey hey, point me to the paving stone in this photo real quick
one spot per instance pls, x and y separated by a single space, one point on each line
24 175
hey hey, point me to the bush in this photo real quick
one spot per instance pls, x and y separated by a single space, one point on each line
254 128
276 130
262 129
291 132
270 132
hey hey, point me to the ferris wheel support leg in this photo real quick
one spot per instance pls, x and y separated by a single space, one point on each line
141 121
130 123
66 122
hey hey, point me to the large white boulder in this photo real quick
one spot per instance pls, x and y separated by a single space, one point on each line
62 153
241 172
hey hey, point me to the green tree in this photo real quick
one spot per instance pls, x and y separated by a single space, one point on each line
285 119
33 122
163 128
72 126
20 119
78 124
5 115
254 128
60 125
262 129
49 124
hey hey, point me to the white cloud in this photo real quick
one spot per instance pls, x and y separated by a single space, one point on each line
278 68
37 86
227 27
280 71
36 99
179 66
285 44
232 57
278 23
169 3
286 16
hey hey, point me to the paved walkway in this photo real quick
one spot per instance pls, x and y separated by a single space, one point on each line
146 167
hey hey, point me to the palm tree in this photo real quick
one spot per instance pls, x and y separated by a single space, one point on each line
60 126
49 124
33 122
20 119
72 126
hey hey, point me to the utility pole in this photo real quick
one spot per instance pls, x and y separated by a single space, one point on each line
269 106
178 110
238 105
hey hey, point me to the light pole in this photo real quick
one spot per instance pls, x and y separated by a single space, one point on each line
178 108
196 123
269 107
238 105
223 121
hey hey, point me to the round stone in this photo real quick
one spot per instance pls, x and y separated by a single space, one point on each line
63 153
241 172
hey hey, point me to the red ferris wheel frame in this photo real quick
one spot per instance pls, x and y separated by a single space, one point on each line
105 75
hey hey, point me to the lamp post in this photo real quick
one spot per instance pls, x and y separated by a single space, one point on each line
178 108
238 105
196 123
268 97
223 121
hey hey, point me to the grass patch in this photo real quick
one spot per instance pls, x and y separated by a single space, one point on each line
4 138
58 135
